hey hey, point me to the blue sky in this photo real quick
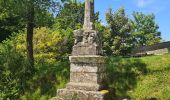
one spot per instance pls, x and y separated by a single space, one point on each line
161 9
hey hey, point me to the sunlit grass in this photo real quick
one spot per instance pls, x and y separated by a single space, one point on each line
142 78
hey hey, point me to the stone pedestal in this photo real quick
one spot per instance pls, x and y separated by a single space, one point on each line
87 79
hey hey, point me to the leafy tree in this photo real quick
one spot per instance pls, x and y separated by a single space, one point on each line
13 71
71 16
9 22
8 25
51 70
117 40
145 30
29 10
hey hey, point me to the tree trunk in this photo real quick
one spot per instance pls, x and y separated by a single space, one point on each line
29 39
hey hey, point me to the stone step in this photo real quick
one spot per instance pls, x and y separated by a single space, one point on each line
84 86
71 94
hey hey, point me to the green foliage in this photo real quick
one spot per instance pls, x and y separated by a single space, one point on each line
145 78
74 97
9 23
51 71
135 78
13 71
126 34
46 81
14 14
71 16
145 31
118 42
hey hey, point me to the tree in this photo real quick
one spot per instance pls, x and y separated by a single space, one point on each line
117 40
9 22
71 16
14 79
145 30
29 10
30 29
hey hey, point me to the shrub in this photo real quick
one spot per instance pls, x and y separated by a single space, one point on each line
51 64
12 71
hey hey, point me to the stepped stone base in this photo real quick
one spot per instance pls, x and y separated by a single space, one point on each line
87 79
71 94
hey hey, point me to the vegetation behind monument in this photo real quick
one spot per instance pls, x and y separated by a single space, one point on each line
53 44
125 34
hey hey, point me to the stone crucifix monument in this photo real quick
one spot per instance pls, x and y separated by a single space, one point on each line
87 66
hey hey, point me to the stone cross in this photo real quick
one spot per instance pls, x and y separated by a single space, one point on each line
87 66
89 15
87 40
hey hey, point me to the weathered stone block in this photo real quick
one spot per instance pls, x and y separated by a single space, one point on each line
87 59
84 86
87 42
89 68
69 94
87 77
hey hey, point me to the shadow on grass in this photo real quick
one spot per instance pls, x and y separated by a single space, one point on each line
56 77
49 78
123 74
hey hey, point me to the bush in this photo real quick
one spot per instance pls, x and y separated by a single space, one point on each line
51 64
12 71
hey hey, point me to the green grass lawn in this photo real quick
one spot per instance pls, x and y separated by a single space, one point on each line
145 78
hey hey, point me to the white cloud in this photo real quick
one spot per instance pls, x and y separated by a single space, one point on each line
140 3
151 6
144 3
103 23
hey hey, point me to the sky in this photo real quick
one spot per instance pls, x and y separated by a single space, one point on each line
161 9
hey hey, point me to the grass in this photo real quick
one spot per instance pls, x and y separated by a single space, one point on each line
145 78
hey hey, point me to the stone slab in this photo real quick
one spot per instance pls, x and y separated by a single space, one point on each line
87 77
85 50
89 68
84 86
92 59
68 94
